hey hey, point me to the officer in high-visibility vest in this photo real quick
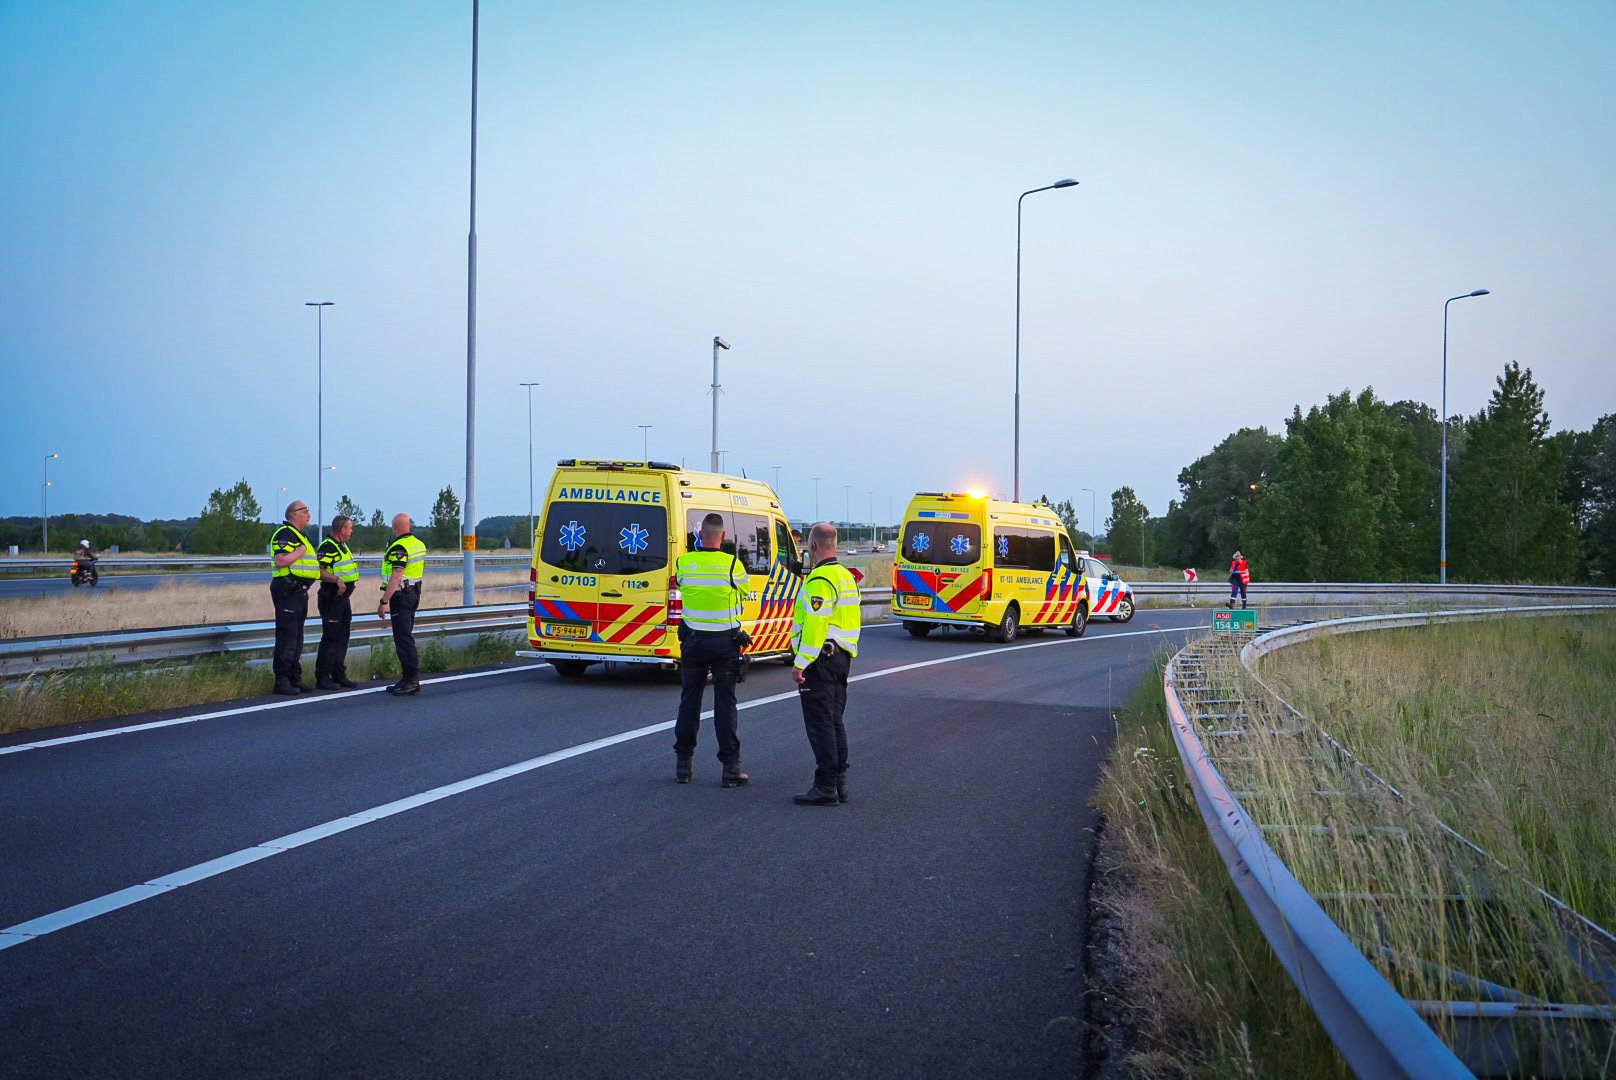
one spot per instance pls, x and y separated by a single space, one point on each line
712 584
293 570
338 576
404 565
824 638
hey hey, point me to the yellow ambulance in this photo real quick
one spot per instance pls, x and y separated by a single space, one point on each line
969 561
603 588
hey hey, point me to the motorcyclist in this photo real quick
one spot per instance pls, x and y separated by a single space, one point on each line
84 553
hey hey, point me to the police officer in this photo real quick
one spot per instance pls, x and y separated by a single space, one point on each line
712 584
405 566
294 569
824 638
338 576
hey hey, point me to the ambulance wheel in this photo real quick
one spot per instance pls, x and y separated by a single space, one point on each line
917 629
1080 621
1124 610
1009 626
570 669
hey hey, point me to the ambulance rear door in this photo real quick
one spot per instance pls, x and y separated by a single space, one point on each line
947 575
610 561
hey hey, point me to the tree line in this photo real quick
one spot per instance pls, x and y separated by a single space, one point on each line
1352 492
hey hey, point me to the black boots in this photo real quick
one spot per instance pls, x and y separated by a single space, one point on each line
733 776
841 786
816 796
682 771
342 680
286 686
405 687
323 682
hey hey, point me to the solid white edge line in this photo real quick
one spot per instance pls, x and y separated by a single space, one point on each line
89 909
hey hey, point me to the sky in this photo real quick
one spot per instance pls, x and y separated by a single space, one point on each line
1274 201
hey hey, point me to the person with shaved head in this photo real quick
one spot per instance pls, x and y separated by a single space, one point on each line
405 567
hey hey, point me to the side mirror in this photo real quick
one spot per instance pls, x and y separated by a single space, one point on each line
795 566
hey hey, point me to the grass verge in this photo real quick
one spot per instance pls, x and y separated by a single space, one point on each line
101 691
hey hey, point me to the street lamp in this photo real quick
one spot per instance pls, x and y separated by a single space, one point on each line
847 505
530 386
645 441
871 494
1094 521
319 307
44 507
776 479
816 500
1050 187
1443 572
718 343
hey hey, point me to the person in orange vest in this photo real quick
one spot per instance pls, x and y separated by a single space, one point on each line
1239 578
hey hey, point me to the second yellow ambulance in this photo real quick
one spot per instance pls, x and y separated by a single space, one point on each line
969 561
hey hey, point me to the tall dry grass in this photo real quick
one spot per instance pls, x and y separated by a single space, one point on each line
185 603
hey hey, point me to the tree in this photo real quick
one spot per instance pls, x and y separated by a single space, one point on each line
1511 520
1125 529
1219 490
348 508
1599 535
229 524
445 529
1068 516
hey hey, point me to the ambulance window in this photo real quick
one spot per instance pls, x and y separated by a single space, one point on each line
749 531
1025 549
942 543
1066 550
784 549
605 538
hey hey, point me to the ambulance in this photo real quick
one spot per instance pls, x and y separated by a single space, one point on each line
969 561
603 589
1109 595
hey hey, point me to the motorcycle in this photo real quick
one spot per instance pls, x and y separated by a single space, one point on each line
84 573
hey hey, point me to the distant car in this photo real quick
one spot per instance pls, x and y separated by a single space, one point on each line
877 549
1109 595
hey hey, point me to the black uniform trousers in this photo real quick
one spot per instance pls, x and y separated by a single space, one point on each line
702 651
336 624
403 605
824 700
291 598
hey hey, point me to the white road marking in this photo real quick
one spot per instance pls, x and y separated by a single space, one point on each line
158 886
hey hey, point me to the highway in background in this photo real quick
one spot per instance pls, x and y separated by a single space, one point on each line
22 588
579 914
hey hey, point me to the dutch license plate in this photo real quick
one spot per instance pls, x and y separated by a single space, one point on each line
916 600
572 631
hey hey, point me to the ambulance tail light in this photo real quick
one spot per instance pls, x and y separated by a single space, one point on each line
987 584
676 603
532 587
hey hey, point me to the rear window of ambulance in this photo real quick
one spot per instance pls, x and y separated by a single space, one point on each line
605 538
942 543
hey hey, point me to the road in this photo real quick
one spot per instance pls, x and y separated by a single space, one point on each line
22 588
564 908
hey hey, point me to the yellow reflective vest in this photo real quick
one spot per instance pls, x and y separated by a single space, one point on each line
287 538
408 552
827 610
712 585
337 558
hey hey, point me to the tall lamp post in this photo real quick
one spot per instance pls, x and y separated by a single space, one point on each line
816 502
1068 182
847 505
871 494
530 385
776 479
319 307
1444 554
44 507
1094 521
718 343
468 521
645 440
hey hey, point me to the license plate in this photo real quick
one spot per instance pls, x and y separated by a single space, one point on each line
916 600
567 630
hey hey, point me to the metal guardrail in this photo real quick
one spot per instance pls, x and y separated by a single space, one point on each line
1380 1033
110 563
28 656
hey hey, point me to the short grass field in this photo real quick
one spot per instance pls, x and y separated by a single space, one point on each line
1503 730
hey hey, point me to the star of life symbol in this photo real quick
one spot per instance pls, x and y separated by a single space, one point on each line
1004 546
572 536
633 539
921 543
959 545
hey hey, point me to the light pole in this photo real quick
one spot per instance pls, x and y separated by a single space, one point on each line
468 526
530 386
1050 187
1443 572
319 307
816 501
1094 521
718 343
44 508
777 479
847 505
645 441
871 494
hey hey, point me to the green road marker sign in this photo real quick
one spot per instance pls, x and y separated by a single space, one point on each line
1234 621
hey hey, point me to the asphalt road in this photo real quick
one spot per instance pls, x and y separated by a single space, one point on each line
21 588
564 908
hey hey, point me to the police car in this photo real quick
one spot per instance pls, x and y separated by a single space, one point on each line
1109 595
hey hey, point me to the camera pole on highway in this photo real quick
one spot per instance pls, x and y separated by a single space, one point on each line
718 343
468 526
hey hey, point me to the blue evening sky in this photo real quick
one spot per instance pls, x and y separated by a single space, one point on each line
1274 202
